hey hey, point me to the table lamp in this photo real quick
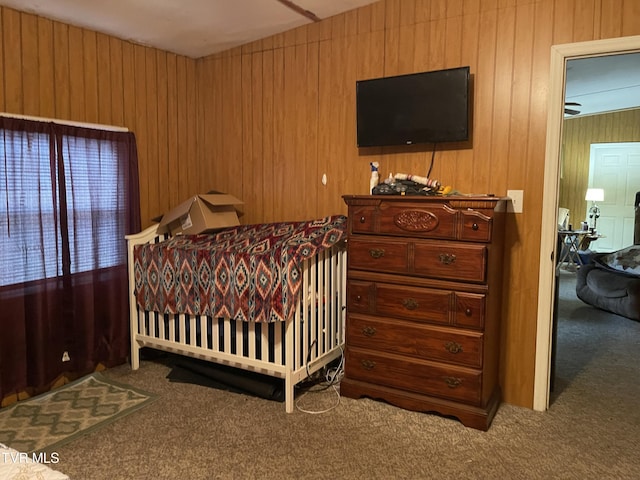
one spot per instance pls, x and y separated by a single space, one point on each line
594 195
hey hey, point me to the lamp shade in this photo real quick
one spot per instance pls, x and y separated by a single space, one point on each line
594 195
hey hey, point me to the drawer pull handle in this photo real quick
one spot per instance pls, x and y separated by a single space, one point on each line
376 252
410 304
453 347
475 226
468 312
363 219
368 331
453 382
368 364
447 258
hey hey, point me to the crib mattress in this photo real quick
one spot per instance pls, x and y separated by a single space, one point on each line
249 272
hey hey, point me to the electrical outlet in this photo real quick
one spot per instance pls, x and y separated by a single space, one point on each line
65 357
517 198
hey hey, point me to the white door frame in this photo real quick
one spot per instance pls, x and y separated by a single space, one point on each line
548 236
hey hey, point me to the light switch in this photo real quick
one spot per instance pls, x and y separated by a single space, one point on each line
517 198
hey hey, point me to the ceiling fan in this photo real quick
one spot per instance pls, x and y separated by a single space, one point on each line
571 111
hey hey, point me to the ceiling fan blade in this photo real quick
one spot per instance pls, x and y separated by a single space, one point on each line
573 104
570 111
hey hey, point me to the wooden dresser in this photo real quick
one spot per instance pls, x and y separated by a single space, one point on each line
424 286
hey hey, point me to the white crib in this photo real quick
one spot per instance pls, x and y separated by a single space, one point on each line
289 350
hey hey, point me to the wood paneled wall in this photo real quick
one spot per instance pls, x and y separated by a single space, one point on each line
278 113
266 120
578 135
59 71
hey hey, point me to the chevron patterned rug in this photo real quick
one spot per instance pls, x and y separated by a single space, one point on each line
57 417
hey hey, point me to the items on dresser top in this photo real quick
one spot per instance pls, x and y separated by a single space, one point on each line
423 303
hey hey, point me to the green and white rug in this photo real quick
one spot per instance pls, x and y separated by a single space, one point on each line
68 412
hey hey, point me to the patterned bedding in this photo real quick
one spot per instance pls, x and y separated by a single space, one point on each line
249 272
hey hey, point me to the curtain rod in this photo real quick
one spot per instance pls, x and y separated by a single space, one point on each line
70 123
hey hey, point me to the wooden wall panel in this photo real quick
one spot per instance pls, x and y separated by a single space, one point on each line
505 42
174 196
2 65
53 70
12 68
115 102
264 121
29 62
46 67
61 87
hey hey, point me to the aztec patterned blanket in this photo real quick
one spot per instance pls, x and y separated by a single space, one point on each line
250 272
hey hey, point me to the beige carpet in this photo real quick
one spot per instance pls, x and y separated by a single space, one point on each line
591 431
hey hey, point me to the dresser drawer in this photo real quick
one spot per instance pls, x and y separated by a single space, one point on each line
418 304
432 221
413 303
436 220
378 255
450 261
476 226
363 219
410 374
421 341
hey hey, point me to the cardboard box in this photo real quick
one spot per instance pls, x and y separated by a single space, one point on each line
201 213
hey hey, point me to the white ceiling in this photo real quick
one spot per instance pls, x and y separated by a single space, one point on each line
603 84
194 28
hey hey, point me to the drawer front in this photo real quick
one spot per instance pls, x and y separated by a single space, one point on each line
469 310
413 303
452 261
360 297
432 221
420 376
415 340
418 304
428 305
447 261
476 227
362 219
378 256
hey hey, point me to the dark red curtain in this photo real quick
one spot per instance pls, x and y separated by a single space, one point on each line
68 197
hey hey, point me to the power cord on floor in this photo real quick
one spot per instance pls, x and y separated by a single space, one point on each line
332 380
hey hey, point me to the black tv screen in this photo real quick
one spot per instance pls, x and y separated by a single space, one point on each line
426 107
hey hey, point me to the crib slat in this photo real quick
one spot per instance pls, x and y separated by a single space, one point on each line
239 337
172 328
203 330
192 330
307 311
226 337
252 340
215 334
278 341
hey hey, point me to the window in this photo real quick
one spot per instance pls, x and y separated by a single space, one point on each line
62 191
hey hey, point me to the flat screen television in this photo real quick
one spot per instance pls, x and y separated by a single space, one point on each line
426 107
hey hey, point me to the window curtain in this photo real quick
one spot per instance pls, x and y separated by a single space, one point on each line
68 197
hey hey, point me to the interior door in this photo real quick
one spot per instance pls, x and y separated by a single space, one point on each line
615 167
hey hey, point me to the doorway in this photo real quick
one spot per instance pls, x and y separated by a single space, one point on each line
560 54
